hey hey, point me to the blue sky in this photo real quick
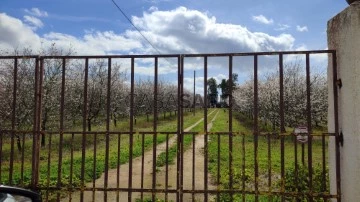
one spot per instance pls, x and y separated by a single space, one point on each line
189 26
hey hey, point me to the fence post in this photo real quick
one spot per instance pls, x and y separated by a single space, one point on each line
344 37
36 124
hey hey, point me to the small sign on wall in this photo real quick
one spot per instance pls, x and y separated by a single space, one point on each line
301 133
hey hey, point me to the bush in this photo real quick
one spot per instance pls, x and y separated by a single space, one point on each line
150 200
302 183
238 178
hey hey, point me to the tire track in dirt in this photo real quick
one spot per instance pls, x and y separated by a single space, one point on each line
187 170
124 175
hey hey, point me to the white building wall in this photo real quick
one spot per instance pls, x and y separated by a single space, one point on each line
344 37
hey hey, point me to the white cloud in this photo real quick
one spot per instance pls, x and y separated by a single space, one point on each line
36 12
33 22
282 27
191 31
153 8
199 84
94 42
156 1
262 19
15 34
175 31
301 29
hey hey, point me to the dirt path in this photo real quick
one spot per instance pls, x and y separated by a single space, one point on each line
189 177
136 173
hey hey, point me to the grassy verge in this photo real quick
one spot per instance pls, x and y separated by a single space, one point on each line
243 155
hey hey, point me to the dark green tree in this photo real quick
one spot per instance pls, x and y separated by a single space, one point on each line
212 90
228 86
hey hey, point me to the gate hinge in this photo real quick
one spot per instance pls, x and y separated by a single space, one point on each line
339 83
341 139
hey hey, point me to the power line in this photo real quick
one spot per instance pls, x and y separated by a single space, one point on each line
137 29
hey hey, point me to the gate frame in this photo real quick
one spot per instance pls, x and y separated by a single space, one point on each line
39 76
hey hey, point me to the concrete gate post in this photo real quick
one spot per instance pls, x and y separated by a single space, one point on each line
344 37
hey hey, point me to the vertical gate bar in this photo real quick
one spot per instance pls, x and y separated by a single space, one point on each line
118 168
13 121
142 165
71 165
303 154
155 128
205 129
230 126
11 168
193 167
108 101
218 167
194 100
94 166
282 124
296 166
34 159
41 78
38 83
167 167
62 103
22 160
1 145
131 127
182 133
308 104
243 165
83 143
256 127
269 165
324 180
48 168
282 113
282 151
337 134
180 60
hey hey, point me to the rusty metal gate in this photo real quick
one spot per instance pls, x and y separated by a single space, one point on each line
54 140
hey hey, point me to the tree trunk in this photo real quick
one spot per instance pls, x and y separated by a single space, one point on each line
283 129
43 127
89 125
18 143
274 125
115 121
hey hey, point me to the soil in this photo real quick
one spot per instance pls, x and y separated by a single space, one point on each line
189 178
160 174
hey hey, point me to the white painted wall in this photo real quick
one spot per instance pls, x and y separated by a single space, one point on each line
344 37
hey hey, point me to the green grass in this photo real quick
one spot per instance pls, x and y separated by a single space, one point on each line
49 160
49 155
162 159
150 200
264 162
